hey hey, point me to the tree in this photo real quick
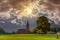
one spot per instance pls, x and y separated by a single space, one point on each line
43 25
34 30
2 31
56 29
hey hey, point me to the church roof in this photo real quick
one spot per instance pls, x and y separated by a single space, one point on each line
21 30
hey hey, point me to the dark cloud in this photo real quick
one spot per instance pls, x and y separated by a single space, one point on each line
51 5
0 0
4 7
54 1
18 4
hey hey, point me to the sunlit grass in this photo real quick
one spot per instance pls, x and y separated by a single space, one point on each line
29 37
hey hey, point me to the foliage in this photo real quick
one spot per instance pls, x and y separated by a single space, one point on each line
2 31
56 29
43 25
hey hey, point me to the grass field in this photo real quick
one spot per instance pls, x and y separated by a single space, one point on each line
29 37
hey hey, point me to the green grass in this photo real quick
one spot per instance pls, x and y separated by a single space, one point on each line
29 37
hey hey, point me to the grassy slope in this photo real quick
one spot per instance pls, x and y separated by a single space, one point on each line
29 37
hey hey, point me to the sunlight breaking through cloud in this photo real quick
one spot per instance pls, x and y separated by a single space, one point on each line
38 7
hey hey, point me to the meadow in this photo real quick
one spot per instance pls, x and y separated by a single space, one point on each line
29 37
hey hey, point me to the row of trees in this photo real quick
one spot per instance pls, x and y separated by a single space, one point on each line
2 31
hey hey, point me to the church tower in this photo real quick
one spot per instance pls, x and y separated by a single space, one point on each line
27 27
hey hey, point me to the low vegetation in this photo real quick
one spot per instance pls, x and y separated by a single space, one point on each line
29 37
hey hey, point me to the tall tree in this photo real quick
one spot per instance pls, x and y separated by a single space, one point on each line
2 31
43 25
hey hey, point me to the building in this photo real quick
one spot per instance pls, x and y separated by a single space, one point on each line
23 31
27 27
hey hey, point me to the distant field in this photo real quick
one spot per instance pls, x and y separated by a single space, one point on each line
29 37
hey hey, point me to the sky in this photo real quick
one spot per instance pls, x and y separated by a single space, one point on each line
15 13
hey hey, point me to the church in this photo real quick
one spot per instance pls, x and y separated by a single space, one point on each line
24 31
